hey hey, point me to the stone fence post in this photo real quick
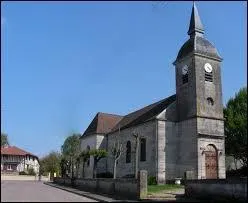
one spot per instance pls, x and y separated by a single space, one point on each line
142 184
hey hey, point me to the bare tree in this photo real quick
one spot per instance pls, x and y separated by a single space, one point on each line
116 152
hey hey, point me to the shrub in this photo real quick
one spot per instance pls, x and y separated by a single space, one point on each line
242 172
151 180
22 173
105 175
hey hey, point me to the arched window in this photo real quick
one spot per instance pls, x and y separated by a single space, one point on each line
128 152
88 149
142 149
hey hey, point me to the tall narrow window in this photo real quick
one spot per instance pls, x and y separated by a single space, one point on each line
88 149
142 149
128 152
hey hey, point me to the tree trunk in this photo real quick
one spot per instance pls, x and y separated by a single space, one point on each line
115 163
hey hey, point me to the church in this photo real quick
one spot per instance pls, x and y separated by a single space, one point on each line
183 132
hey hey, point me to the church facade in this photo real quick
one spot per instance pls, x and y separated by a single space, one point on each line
183 132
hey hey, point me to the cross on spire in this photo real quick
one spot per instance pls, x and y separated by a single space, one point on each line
195 26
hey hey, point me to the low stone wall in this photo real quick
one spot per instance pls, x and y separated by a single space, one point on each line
217 189
120 188
23 177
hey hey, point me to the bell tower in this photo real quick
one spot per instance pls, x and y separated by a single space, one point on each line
199 101
198 76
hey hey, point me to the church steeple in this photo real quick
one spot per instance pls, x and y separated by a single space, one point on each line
195 26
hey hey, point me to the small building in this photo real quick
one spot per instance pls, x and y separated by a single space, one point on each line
14 160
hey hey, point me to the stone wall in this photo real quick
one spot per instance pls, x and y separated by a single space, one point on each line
235 189
186 147
123 188
146 130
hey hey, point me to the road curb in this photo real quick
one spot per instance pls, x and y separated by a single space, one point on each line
91 196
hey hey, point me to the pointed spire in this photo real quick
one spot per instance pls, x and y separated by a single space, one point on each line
195 26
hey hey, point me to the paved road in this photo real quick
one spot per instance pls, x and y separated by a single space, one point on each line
31 191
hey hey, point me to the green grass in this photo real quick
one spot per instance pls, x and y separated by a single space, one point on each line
159 188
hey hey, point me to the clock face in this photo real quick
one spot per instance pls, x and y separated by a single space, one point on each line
185 70
208 68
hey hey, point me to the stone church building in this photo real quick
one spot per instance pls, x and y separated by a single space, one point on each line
183 132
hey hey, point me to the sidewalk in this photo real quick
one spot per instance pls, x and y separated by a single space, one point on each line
96 197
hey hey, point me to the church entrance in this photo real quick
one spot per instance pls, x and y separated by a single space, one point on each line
211 162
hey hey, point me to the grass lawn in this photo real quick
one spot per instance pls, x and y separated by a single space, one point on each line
159 188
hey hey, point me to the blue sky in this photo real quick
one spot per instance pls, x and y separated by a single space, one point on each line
62 62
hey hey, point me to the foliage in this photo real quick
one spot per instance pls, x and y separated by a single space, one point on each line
63 166
71 150
105 175
23 173
242 172
50 163
4 139
84 155
151 180
31 172
97 154
235 115
161 188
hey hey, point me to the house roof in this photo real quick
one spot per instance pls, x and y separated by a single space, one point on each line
102 123
13 150
142 115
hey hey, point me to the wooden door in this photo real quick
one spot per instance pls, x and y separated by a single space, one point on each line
211 162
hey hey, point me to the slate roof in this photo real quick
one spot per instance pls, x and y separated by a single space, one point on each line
198 45
102 123
195 22
144 114
13 150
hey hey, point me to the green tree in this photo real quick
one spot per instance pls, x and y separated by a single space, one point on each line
63 166
4 139
50 163
71 150
97 154
235 115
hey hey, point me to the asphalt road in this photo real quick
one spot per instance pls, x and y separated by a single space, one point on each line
35 191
